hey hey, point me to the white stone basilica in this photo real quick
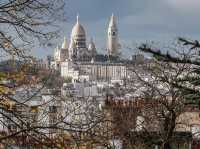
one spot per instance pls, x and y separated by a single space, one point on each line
77 59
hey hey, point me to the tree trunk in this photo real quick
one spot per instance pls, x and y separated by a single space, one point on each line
166 145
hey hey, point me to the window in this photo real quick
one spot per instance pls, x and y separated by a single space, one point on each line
52 109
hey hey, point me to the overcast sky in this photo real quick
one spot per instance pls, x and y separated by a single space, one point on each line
138 20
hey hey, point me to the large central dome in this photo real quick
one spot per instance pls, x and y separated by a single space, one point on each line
78 29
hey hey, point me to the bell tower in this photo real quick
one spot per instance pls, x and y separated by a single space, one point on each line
112 41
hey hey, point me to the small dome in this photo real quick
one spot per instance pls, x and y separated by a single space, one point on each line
91 46
64 45
72 45
78 29
92 61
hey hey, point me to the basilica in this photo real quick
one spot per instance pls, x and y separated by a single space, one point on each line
79 58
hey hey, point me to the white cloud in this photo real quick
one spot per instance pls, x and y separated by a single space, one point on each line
187 6
185 2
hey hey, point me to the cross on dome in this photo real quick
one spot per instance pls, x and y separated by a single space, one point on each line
77 18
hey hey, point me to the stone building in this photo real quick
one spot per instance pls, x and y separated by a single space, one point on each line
95 71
